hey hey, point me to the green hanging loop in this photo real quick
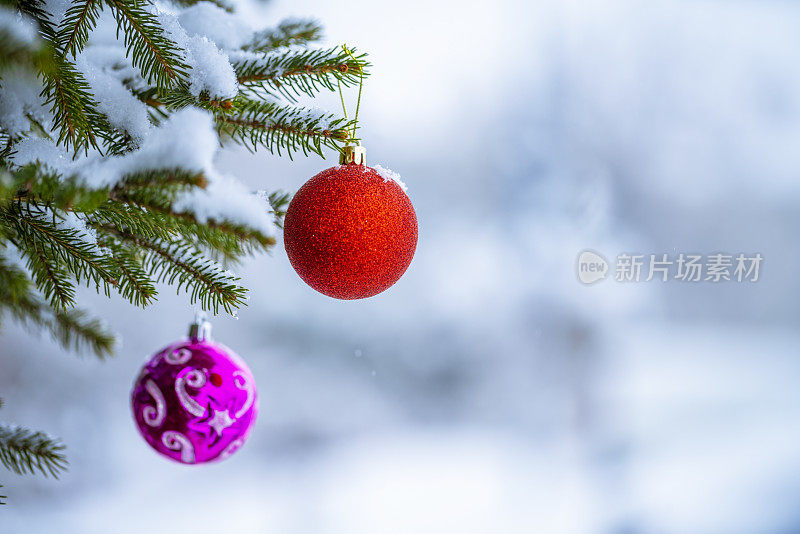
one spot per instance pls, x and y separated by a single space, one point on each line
358 101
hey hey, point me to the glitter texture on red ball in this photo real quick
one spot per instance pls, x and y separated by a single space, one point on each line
350 232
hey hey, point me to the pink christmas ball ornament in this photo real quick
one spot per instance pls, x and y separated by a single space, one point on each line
195 401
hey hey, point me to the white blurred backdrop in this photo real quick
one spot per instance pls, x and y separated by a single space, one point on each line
489 391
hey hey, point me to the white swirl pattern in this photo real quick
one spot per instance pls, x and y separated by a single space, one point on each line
241 382
178 442
179 356
154 416
196 379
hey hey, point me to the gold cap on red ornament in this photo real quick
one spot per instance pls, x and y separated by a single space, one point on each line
353 154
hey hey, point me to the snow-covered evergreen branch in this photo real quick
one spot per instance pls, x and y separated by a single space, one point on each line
106 174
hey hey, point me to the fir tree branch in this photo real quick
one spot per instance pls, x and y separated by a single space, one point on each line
75 328
36 9
79 20
49 246
279 201
36 184
282 128
3 498
180 97
157 57
288 33
37 128
133 283
50 277
155 191
294 73
140 237
149 191
131 219
159 179
16 295
71 329
157 205
25 451
74 108
221 242
178 263
176 98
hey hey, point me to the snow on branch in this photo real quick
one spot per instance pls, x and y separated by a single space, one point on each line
208 67
187 140
227 30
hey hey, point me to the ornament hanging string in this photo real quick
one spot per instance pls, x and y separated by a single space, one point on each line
358 101
341 96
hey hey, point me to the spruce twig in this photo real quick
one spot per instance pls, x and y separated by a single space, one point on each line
25 451
288 33
281 128
179 264
294 73
157 57
79 20
72 329
55 250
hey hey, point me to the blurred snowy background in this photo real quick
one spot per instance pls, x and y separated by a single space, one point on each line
489 391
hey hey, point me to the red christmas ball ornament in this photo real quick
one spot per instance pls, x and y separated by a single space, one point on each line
350 232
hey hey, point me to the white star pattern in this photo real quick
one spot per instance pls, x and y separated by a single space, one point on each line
220 421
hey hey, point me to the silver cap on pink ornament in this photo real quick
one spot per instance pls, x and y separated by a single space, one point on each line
200 329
